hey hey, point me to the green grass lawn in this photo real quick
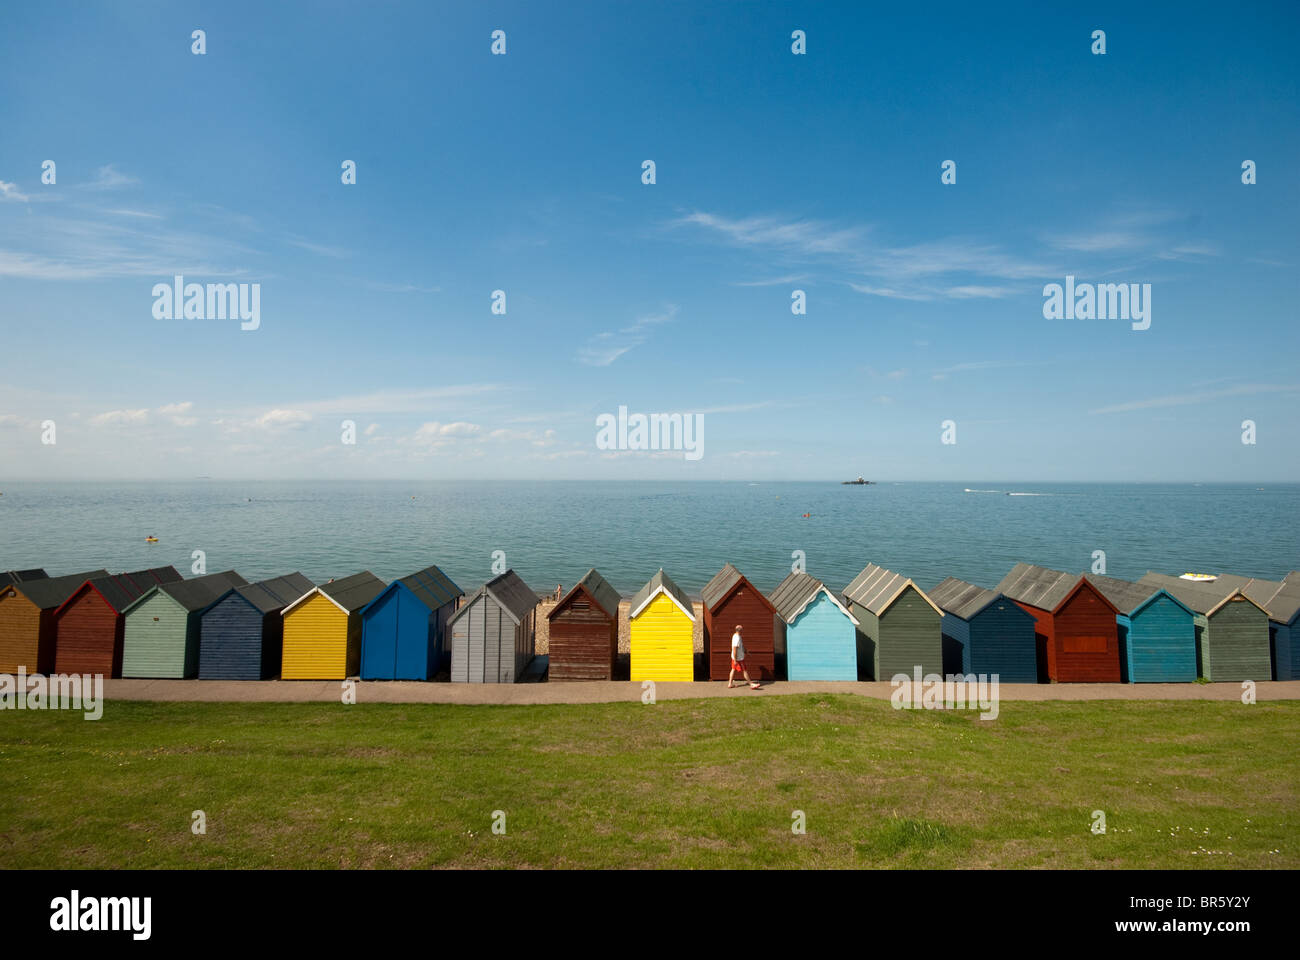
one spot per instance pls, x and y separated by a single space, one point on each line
697 783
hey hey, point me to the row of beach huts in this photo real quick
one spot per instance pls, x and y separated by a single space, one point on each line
1036 625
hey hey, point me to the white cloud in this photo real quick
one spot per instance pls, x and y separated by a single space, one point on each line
280 418
10 191
118 417
108 177
1188 399
435 433
178 413
609 346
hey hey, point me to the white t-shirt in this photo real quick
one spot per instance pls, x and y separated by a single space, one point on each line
737 647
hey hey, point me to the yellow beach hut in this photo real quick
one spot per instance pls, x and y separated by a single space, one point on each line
662 632
322 629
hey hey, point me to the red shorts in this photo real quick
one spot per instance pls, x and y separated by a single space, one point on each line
738 666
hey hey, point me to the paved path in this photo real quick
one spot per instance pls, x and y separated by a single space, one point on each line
314 691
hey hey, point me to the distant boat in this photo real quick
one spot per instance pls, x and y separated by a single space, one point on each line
1200 577
855 483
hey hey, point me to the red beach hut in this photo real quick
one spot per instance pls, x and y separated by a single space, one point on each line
1075 628
730 599
89 625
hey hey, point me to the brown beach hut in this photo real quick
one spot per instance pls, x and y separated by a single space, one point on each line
730 599
584 631
27 620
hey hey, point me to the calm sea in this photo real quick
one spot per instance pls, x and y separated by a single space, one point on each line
552 532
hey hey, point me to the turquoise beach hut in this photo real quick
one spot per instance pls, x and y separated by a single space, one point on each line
821 636
1157 631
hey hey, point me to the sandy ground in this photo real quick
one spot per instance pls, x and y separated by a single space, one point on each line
378 691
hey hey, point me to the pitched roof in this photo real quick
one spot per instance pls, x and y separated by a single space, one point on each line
723 583
121 589
661 583
962 599
720 585
19 576
1037 586
1201 597
793 594
514 596
1281 598
606 597
1124 595
354 592
274 594
197 592
434 588
53 591
876 588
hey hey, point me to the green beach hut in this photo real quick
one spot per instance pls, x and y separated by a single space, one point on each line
160 635
1232 638
899 626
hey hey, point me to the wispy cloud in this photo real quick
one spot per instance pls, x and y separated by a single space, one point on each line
179 413
1189 399
109 177
870 266
774 282
973 365
115 417
397 401
401 287
10 191
607 347
320 249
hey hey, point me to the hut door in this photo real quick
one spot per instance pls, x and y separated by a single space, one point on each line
379 649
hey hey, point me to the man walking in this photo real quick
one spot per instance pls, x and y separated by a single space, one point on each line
738 661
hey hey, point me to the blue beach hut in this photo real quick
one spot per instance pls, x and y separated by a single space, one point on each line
985 632
403 628
821 636
1157 631
241 632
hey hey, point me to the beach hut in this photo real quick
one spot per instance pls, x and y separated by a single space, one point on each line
493 635
21 576
1284 628
1075 629
322 629
820 636
584 631
402 629
730 599
89 624
27 620
1281 600
242 630
984 632
900 625
1157 631
1232 635
661 628
160 634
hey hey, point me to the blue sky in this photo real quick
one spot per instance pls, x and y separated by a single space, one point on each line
774 172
